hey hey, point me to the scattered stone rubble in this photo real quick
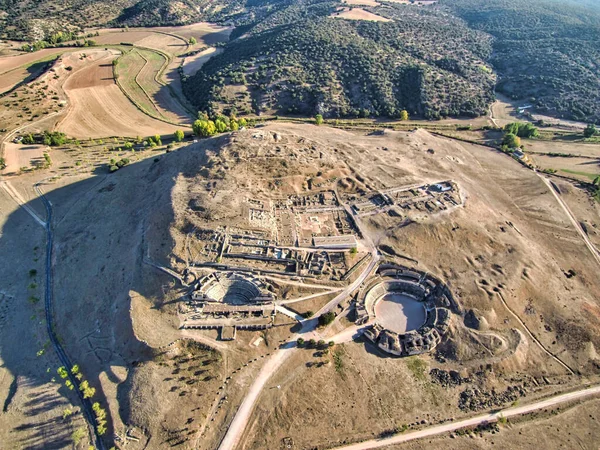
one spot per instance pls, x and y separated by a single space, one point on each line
446 379
475 399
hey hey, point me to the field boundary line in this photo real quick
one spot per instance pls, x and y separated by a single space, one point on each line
146 63
142 110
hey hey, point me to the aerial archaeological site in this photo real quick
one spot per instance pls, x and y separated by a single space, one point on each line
308 224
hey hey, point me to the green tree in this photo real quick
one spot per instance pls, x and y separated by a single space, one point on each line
78 435
233 124
2 164
179 135
319 119
193 41
511 140
404 115
242 122
28 139
204 127
157 139
54 138
300 342
590 131
326 319
220 126
524 130
87 390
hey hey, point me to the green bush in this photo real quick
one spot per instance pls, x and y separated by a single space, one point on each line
590 131
178 135
511 140
524 130
326 319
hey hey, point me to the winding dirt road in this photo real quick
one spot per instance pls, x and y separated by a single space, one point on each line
240 421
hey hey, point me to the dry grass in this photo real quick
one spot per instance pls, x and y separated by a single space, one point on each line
138 72
193 64
359 14
571 426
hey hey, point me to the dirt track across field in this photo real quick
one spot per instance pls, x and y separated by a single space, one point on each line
479 420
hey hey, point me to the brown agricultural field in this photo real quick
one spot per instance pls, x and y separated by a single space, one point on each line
582 149
19 156
143 37
193 64
98 108
203 32
8 63
22 68
358 14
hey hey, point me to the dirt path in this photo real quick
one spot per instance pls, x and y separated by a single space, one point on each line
242 416
536 340
478 420
593 250
308 297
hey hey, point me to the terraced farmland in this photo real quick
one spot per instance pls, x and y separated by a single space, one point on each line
139 75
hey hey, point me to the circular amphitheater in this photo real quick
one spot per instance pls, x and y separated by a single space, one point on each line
408 310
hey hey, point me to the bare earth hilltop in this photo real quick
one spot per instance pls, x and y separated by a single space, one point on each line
130 246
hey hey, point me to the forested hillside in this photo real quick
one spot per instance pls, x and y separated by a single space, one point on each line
546 52
37 19
291 57
426 63
169 12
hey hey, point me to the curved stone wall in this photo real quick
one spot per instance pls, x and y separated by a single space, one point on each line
434 295
232 288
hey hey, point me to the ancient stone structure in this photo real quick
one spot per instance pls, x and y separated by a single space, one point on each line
230 301
434 296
